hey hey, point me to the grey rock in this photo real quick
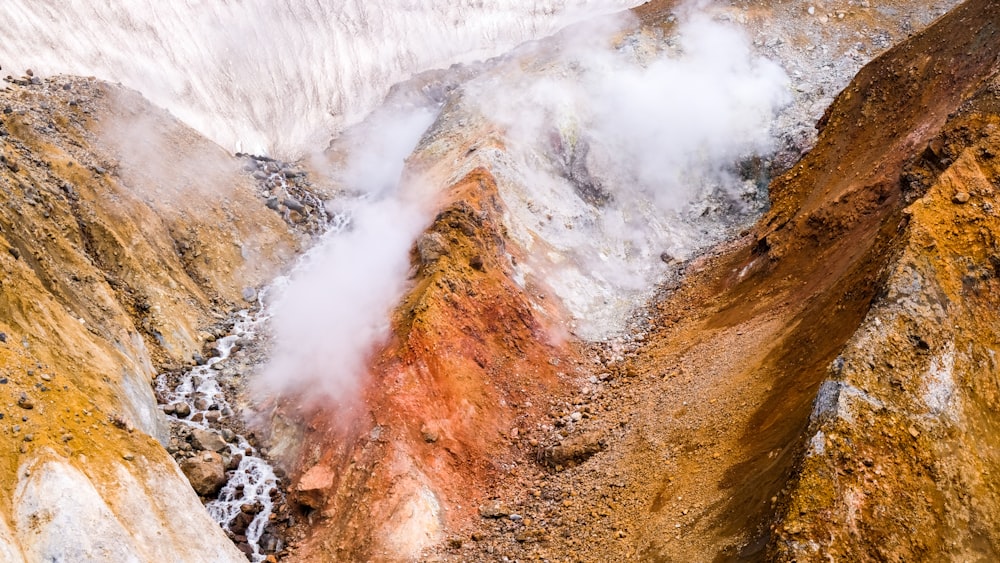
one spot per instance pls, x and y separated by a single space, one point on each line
294 205
431 247
182 410
249 294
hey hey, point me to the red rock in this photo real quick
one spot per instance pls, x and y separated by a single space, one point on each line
312 488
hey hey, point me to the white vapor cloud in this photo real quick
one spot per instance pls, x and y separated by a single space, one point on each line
614 152
334 309
618 156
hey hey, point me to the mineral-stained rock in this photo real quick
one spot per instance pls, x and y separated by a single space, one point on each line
313 486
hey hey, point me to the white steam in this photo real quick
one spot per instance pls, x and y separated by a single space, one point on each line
263 76
335 308
620 160
611 157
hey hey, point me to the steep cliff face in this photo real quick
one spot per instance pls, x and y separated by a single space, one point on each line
117 252
903 432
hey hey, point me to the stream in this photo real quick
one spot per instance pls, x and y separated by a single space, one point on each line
252 486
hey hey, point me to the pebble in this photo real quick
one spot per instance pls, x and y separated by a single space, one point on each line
249 294
960 198
25 402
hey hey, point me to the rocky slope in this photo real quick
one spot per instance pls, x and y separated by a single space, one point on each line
125 235
312 68
799 395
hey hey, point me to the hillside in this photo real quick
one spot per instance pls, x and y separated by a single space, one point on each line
681 285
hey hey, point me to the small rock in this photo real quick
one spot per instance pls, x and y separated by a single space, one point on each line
128 457
577 449
431 247
249 294
182 410
429 434
493 509
914 431
3 337
228 435
294 205
960 198
46 377
25 402
314 485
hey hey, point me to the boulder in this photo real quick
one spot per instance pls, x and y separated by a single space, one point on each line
205 472
207 440
312 488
